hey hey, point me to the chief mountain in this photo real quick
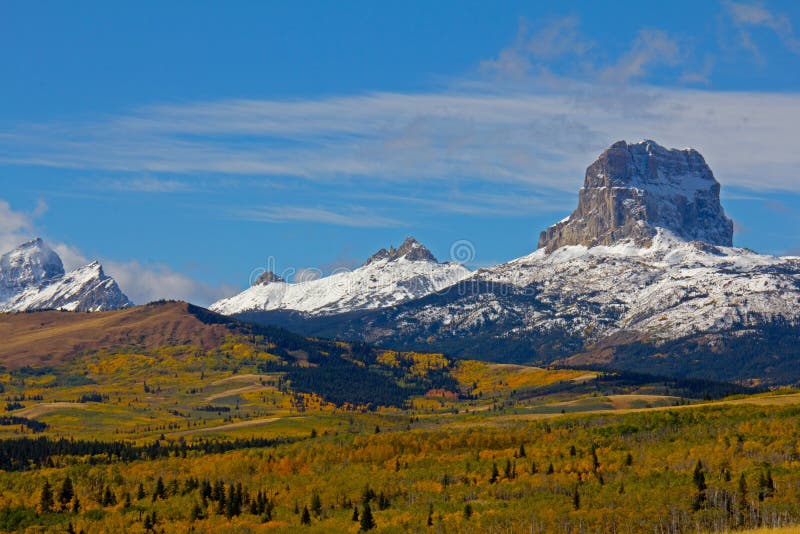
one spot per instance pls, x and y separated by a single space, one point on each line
641 276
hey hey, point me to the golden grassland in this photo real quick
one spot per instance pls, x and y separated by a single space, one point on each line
502 453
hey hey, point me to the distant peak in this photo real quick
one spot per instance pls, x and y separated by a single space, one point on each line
410 249
267 277
30 263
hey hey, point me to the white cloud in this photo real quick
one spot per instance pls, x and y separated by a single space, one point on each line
536 138
148 282
355 217
16 227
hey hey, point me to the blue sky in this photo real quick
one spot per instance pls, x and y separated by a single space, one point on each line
185 143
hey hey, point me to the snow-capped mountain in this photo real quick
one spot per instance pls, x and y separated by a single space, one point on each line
388 278
32 277
643 263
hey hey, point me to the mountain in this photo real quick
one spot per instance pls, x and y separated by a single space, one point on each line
387 278
32 277
632 190
640 277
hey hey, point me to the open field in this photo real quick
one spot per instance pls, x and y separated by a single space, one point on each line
247 433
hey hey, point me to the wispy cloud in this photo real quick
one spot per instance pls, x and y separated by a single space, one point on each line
516 121
146 185
354 217
749 15
651 47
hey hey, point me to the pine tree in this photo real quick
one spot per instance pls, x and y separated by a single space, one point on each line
76 505
742 499
161 491
355 513
140 494
316 504
367 521
109 499
769 484
699 479
66 493
629 460
699 476
197 512
495 474
430 515
305 519
521 453
576 499
467 511
46 497
550 469
367 495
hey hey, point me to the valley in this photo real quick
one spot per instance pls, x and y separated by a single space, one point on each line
454 446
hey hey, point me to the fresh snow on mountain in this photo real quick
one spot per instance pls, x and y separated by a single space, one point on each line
388 278
646 259
669 290
32 277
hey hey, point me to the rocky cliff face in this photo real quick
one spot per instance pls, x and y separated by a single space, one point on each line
633 189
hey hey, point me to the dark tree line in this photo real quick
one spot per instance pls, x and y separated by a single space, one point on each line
22 454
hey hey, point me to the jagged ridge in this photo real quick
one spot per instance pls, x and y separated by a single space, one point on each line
387 278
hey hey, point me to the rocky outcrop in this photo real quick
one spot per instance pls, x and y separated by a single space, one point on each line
410 249
267 277
633 189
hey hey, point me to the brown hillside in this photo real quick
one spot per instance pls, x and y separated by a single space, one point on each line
50 337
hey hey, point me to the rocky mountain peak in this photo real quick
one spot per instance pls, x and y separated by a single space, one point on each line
32 277
31 263
410 249
634 188
267 277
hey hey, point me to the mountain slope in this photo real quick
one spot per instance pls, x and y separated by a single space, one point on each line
623 282
32 277
387 278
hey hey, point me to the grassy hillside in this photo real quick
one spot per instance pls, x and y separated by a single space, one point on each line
246 426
